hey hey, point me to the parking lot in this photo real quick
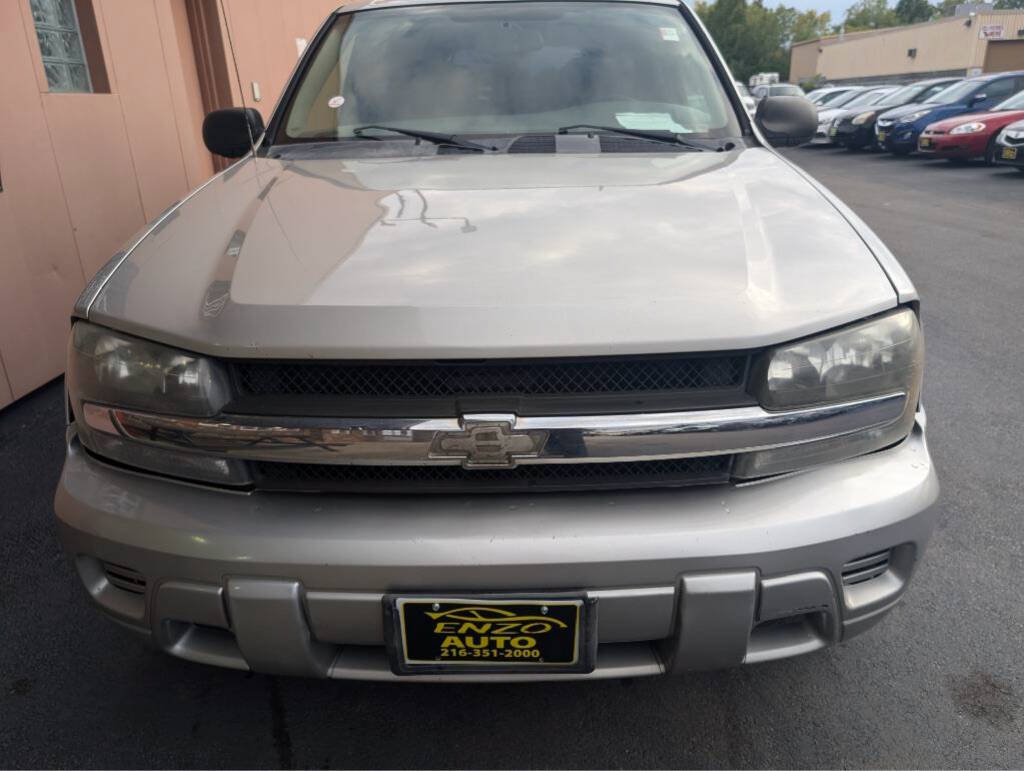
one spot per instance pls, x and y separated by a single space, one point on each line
940 683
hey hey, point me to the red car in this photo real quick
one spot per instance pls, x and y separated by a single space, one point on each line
971 136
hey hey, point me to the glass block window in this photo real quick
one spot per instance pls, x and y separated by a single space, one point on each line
60 43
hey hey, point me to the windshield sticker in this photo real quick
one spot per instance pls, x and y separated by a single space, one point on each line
335 102
669 33
649 121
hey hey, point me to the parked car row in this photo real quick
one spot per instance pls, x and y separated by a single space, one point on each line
959 119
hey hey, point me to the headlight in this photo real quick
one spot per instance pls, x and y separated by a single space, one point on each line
863 118
107 370
873 358
969 128
913 116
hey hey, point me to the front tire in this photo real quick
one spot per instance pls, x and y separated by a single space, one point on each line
990 151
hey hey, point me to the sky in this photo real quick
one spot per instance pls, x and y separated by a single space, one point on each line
836 7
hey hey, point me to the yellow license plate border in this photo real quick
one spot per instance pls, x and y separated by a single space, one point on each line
585 633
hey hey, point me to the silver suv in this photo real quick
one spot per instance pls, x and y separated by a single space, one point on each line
508 349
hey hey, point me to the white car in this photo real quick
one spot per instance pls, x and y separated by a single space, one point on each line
825 95
777 89
749 103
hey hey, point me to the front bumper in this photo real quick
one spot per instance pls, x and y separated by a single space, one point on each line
1008 154
898 138
849 135
684 579
822 135
963 146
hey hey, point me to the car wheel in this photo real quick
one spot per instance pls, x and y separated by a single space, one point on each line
990 151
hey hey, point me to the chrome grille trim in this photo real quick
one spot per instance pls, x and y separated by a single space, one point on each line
497 440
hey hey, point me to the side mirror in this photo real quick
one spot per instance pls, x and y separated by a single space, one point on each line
978 98
786 121
231 132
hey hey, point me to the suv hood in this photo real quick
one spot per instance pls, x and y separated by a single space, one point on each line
936 111
457 256
898 112
830 113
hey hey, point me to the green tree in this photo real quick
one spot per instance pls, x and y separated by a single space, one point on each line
870 14
1005 5
810 25
754 38
913 11
946 7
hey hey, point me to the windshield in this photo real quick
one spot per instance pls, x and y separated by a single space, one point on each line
955 93
1015 102
865 98
928 94
496 68
900 96
785 90
844 98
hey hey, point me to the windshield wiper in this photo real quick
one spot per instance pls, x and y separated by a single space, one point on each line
430 136
654 136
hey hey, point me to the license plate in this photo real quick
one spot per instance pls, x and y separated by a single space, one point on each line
924 142
881 136
487 634
1009 154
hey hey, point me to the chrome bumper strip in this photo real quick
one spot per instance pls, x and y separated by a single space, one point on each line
496 440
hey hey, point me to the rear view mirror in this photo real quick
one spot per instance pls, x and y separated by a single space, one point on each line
786 121
233 131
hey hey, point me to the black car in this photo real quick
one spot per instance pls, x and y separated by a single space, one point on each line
855 129
1010 146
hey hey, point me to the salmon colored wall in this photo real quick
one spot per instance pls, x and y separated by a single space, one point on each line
82 172
263 33
943 45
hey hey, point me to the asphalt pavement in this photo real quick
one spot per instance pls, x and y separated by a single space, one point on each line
939 683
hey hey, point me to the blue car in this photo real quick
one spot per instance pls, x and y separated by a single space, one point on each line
898 129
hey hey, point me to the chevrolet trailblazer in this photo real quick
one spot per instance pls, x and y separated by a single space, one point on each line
509 348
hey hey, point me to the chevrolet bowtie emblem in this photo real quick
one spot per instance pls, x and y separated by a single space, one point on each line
488 441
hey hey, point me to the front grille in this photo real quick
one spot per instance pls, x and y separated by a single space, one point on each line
489 378
866 568
125 578
310 477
